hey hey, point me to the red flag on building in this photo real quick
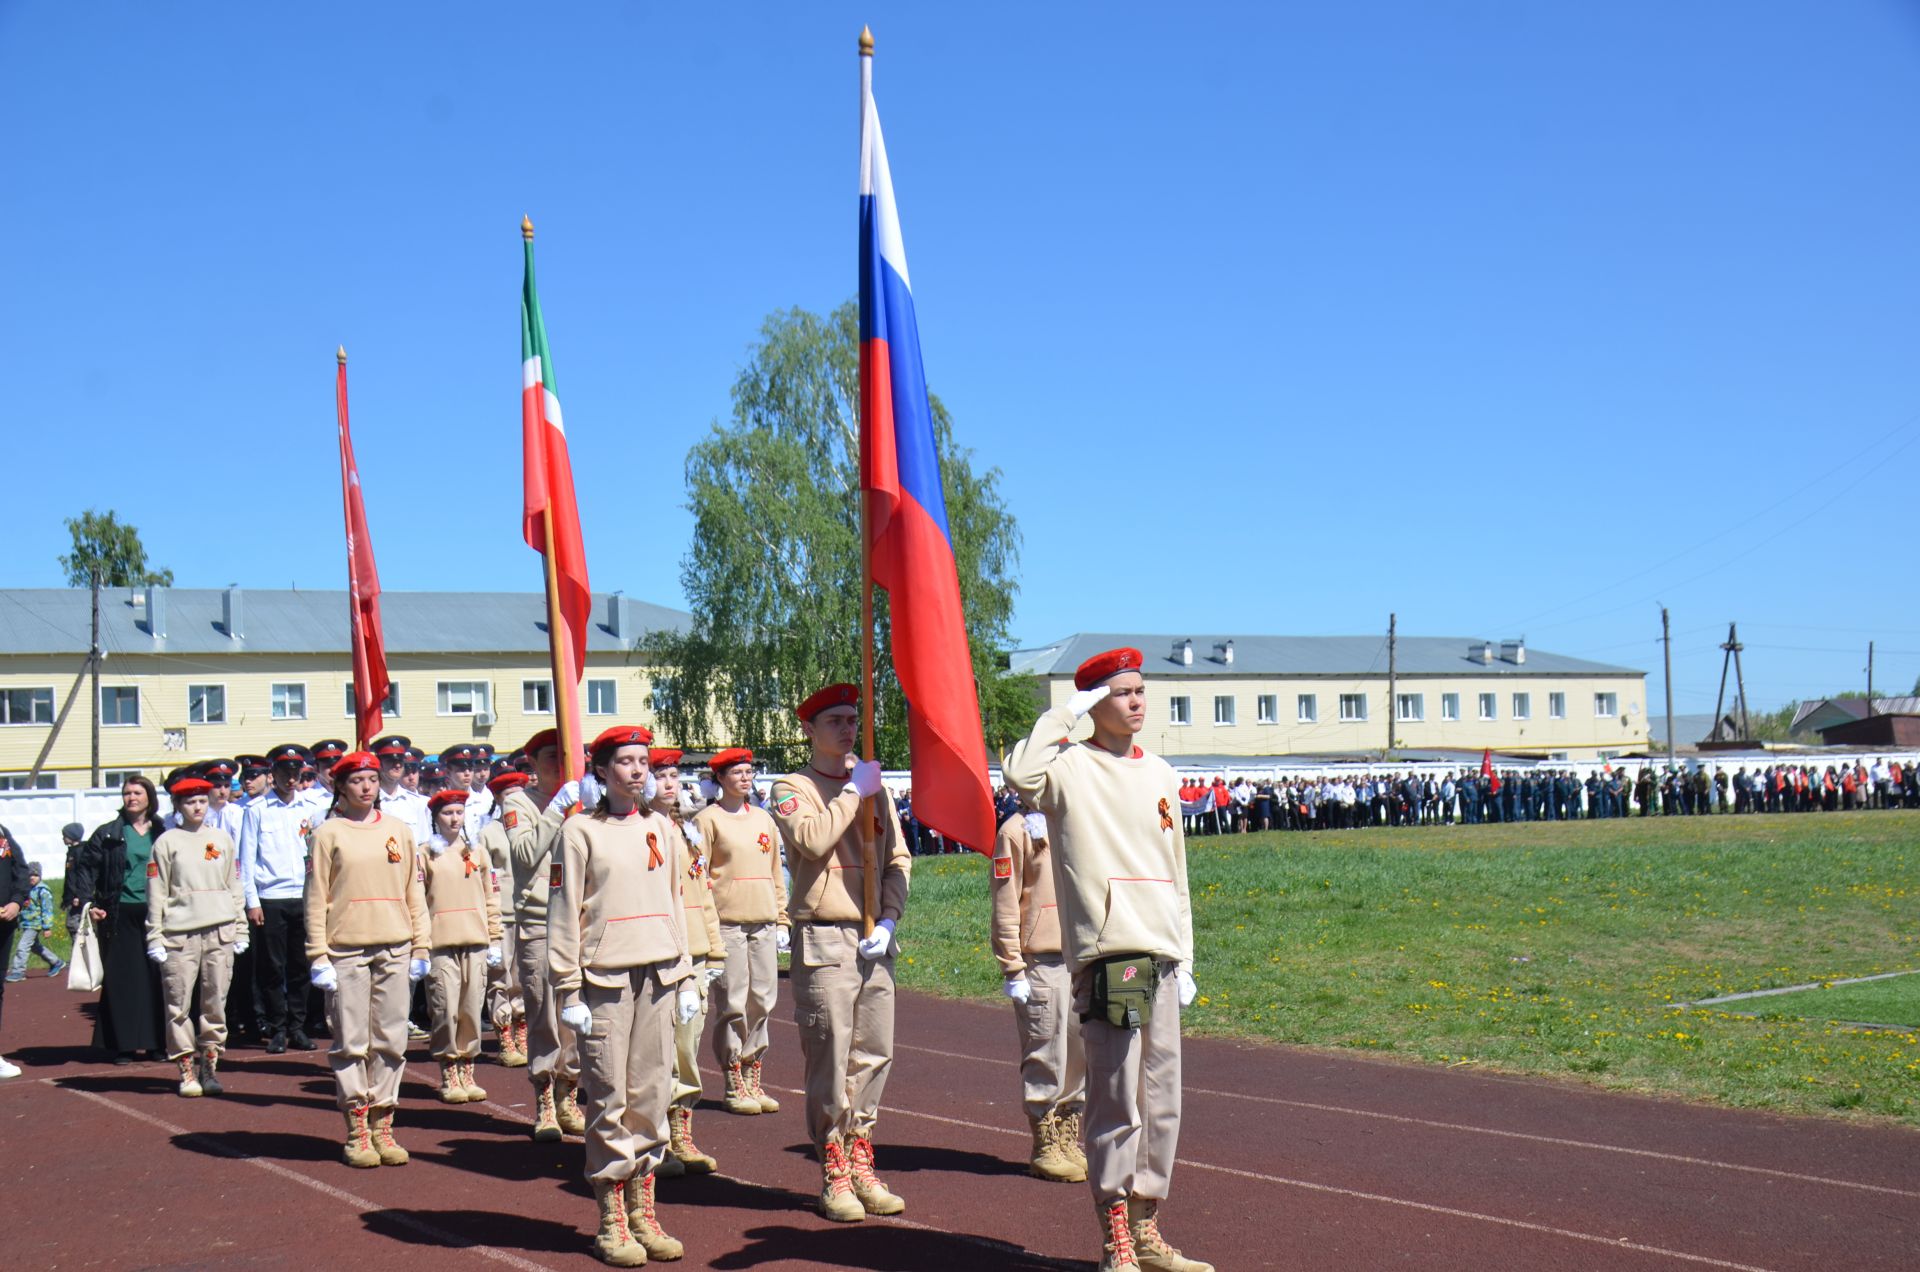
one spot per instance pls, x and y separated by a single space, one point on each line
370 683
1486 772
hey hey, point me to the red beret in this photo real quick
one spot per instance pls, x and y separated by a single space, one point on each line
190 786
501 783
1112 663
546 737
663 757
354 762
452 795
728 758
831 696
621 735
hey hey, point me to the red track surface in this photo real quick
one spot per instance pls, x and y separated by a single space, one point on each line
1326 1162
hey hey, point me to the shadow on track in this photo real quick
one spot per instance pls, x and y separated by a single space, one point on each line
480 1227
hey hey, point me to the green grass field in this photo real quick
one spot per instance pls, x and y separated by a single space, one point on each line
1886 1002
1556 949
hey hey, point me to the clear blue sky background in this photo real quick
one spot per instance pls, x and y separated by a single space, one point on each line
1513 318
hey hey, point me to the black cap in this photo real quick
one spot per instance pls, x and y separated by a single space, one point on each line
393 746
500 766
486 751
215 770
415 754
460 751
432 771
329 750
289 753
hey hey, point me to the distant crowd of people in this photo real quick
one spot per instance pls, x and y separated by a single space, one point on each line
1352 801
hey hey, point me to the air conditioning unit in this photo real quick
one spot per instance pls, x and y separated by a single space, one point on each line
483 719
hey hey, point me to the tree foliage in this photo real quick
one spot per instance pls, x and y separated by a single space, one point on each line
773 570
103 543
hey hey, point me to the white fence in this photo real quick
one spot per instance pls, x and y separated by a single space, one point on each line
35 818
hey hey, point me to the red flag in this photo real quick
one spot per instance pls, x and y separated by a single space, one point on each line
370 683
1487 774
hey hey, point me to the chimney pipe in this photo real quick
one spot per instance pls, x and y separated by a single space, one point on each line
157 612
231 617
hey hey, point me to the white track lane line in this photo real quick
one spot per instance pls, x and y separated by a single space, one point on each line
1678 1158
360 1204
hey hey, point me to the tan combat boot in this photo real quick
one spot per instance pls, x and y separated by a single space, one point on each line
513 1045
360 1152
451 1092
1151 1249
875 1197
1071 1142
614 1243
740 1098
837 1201
189 1076
1049 1161
475 1092
645 1224
681 1147
210 1072
546 1123
767 1103
567 1108
390 1153
1116 1235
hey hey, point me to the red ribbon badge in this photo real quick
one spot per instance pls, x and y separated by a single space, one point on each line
466 859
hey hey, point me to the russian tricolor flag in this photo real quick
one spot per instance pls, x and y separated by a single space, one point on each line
909 546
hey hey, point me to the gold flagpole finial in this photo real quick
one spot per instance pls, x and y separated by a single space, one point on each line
526 228
343 355
866 41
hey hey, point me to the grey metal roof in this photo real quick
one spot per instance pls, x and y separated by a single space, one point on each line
55 621
1284 656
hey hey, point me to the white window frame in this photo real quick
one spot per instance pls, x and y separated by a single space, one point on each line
29 689
1522 706
1232 705
273 699
1180 710
1410 708
47 781
612 689
530 691
1306 708
480 702
1556 706
1450 707
1610 701
1355 699
1489 704
117 690
389 709
1266 708
203 720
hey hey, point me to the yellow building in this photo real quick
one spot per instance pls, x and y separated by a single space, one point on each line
190 674
1229 697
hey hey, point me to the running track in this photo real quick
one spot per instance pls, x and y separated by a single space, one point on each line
1289 1159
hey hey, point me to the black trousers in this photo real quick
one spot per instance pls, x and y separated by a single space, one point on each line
280 965
6 943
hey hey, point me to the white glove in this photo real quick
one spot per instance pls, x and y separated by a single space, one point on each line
686 1005
715 973
494 957
158 953
241 942
324 978
782 940
417 969
566 796
692 831
866 778
1085 700
1017 988
1187 988
1036 825
578 1018
876 946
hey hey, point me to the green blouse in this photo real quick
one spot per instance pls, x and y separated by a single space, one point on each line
133 885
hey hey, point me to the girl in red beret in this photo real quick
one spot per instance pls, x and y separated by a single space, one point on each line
464 913
195 925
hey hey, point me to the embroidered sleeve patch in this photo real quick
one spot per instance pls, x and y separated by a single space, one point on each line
1003 867
787 806
512 818
153 870
553 876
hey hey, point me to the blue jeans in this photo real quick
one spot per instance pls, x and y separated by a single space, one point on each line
32 941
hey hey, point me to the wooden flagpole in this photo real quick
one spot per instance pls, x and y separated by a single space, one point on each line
868 820
565 724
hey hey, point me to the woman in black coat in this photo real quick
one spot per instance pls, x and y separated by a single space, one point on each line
110 880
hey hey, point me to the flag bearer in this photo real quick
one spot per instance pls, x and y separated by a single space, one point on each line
1026 940
708 956
742 846
196 920
507 1006
532 816
464 914
368 940
1120 877
842 982
617 949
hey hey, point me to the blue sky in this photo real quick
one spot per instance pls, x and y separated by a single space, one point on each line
1511 318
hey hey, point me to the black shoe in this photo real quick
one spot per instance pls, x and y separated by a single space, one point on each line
123 1057
299 1041
277 1045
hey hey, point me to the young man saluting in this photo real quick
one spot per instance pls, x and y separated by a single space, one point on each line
1120 876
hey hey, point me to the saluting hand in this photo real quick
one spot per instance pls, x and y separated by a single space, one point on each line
1086 699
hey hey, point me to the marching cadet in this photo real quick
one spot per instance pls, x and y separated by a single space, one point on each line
506 1005
741 843
368 940
242 1008
532 816
842 982
708 956
397 798
463 912
196 922
1120 877
1026 940
617 950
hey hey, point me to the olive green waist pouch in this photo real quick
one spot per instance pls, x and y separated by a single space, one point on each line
1123 989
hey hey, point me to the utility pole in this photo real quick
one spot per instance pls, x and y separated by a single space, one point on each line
1666 639
1869 677
93 667
1393 681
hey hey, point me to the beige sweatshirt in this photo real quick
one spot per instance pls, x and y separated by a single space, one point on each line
364 887
461 902
697 908
743 856
1119 854
193 883
533 839
816 817
614 902
1025 918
